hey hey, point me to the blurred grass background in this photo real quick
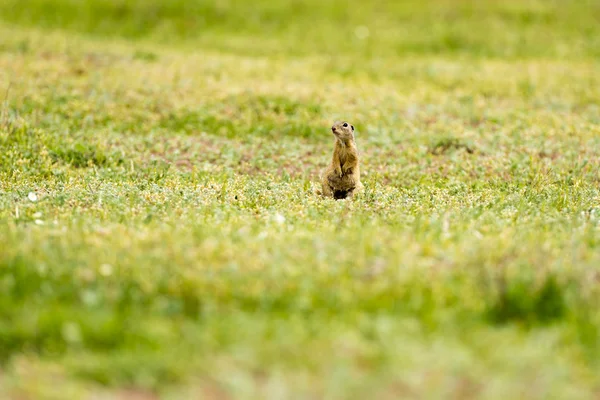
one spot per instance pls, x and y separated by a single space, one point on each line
158 233
522 29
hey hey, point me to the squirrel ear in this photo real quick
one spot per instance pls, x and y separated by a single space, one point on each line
352 127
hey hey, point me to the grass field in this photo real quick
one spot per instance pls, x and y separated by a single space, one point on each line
158 233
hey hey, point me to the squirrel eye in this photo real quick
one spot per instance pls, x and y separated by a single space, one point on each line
345 125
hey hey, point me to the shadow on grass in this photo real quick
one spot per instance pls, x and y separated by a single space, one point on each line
522 300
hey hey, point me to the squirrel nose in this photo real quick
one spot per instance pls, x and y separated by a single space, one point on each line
333 128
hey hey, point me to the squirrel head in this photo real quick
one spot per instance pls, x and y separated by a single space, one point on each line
343 130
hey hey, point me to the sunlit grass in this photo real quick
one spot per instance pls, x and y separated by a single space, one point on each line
160 236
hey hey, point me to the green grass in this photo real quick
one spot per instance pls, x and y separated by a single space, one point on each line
159 235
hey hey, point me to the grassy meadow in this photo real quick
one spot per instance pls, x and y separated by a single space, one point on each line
159 235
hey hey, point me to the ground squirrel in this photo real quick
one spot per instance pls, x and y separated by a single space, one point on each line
342 178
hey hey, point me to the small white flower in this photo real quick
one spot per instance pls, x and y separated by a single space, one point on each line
37 215
32 196
280 219
361 32
106 270
39 222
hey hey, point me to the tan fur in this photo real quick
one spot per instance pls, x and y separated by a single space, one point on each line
341 179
